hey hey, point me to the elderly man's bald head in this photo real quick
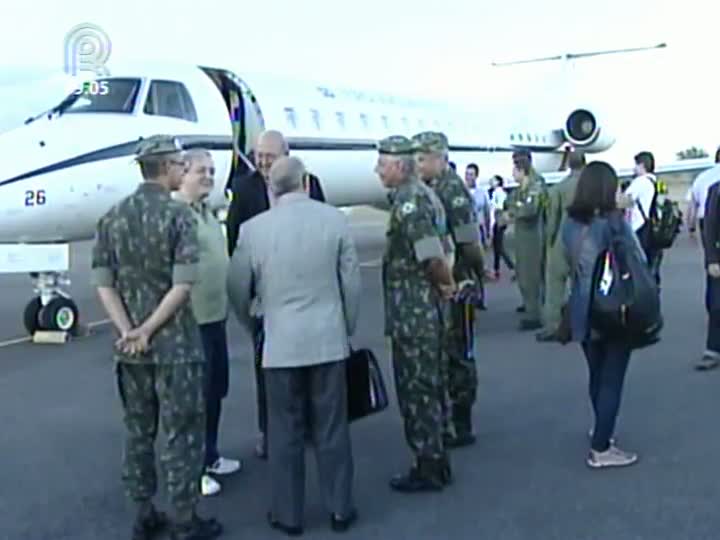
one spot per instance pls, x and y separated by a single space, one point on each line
286 176
270 146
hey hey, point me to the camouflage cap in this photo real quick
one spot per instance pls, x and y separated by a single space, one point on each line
395 145
430 141
158 145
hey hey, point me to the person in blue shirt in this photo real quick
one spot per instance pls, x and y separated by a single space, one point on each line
585 235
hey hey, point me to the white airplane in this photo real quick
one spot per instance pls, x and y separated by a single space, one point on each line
67 166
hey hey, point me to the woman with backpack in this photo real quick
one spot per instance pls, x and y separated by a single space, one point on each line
594 223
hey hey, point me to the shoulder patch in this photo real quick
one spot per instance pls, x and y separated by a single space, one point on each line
459 202
408 208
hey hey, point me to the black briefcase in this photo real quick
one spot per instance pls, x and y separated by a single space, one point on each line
365 386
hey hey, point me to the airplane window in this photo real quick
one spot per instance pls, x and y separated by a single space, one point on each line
436 124
520 136
512 137
405 123
290 116
103 96
364 120
316 118
341 119
385 122
170 98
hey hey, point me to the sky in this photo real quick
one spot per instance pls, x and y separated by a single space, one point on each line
659 100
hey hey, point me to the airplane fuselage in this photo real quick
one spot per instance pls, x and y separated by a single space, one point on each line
63 170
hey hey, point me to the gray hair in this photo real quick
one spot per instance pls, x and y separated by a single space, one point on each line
195 153
286 175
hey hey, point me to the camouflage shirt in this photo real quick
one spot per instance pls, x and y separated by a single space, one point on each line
415 231
144 245
462 220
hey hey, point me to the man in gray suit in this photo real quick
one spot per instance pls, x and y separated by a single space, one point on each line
302 262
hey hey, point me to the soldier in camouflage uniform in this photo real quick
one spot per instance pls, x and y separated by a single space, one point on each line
144 262
431 157
417 281
526 206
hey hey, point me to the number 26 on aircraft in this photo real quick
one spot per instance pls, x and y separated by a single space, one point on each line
34 197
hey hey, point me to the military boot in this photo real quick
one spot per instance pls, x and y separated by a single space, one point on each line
462 420
196 529
426 475
149 524
447 474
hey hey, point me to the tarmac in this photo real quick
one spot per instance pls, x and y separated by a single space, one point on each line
524 479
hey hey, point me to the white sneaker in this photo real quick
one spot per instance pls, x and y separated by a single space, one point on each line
209 486
612 457
225 466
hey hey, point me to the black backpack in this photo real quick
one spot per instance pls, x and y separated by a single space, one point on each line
625 298
663 223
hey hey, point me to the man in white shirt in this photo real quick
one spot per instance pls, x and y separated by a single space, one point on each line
697 195
638 201
481 200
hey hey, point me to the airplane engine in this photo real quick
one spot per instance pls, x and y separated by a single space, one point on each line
584 132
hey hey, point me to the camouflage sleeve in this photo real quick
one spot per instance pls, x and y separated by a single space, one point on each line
186 248
416 218
102 271
462 218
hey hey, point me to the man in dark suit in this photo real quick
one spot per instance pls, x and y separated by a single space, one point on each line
251 196
711 244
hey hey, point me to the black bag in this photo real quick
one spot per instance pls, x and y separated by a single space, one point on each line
625 298
366 391
662 225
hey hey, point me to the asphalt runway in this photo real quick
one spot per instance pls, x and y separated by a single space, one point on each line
525 479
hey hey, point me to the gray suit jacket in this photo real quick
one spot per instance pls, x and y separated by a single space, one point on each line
304 265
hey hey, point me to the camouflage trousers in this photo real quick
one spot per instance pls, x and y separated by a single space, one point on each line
459 347
420 383
175 395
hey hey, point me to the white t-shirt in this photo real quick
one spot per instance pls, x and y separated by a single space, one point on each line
699 190
497 203
642 191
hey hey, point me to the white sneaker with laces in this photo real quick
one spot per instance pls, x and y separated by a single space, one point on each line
225 466
612 457
209 486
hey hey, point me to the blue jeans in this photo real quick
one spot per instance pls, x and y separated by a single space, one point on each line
607 363
214 340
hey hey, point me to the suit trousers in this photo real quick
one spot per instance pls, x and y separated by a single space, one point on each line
314 398
258 342
712 304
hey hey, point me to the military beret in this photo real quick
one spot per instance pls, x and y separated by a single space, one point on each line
158 145
430 141
395 145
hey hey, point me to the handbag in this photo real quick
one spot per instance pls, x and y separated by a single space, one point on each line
366 392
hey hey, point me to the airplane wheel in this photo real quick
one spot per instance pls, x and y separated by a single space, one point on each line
31 316
60 314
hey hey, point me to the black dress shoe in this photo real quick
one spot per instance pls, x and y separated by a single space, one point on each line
520 309
290 531
339 524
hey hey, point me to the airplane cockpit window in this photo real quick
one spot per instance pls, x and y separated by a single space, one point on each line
170 98
102 96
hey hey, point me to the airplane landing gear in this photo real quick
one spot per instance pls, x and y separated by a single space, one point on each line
52 309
